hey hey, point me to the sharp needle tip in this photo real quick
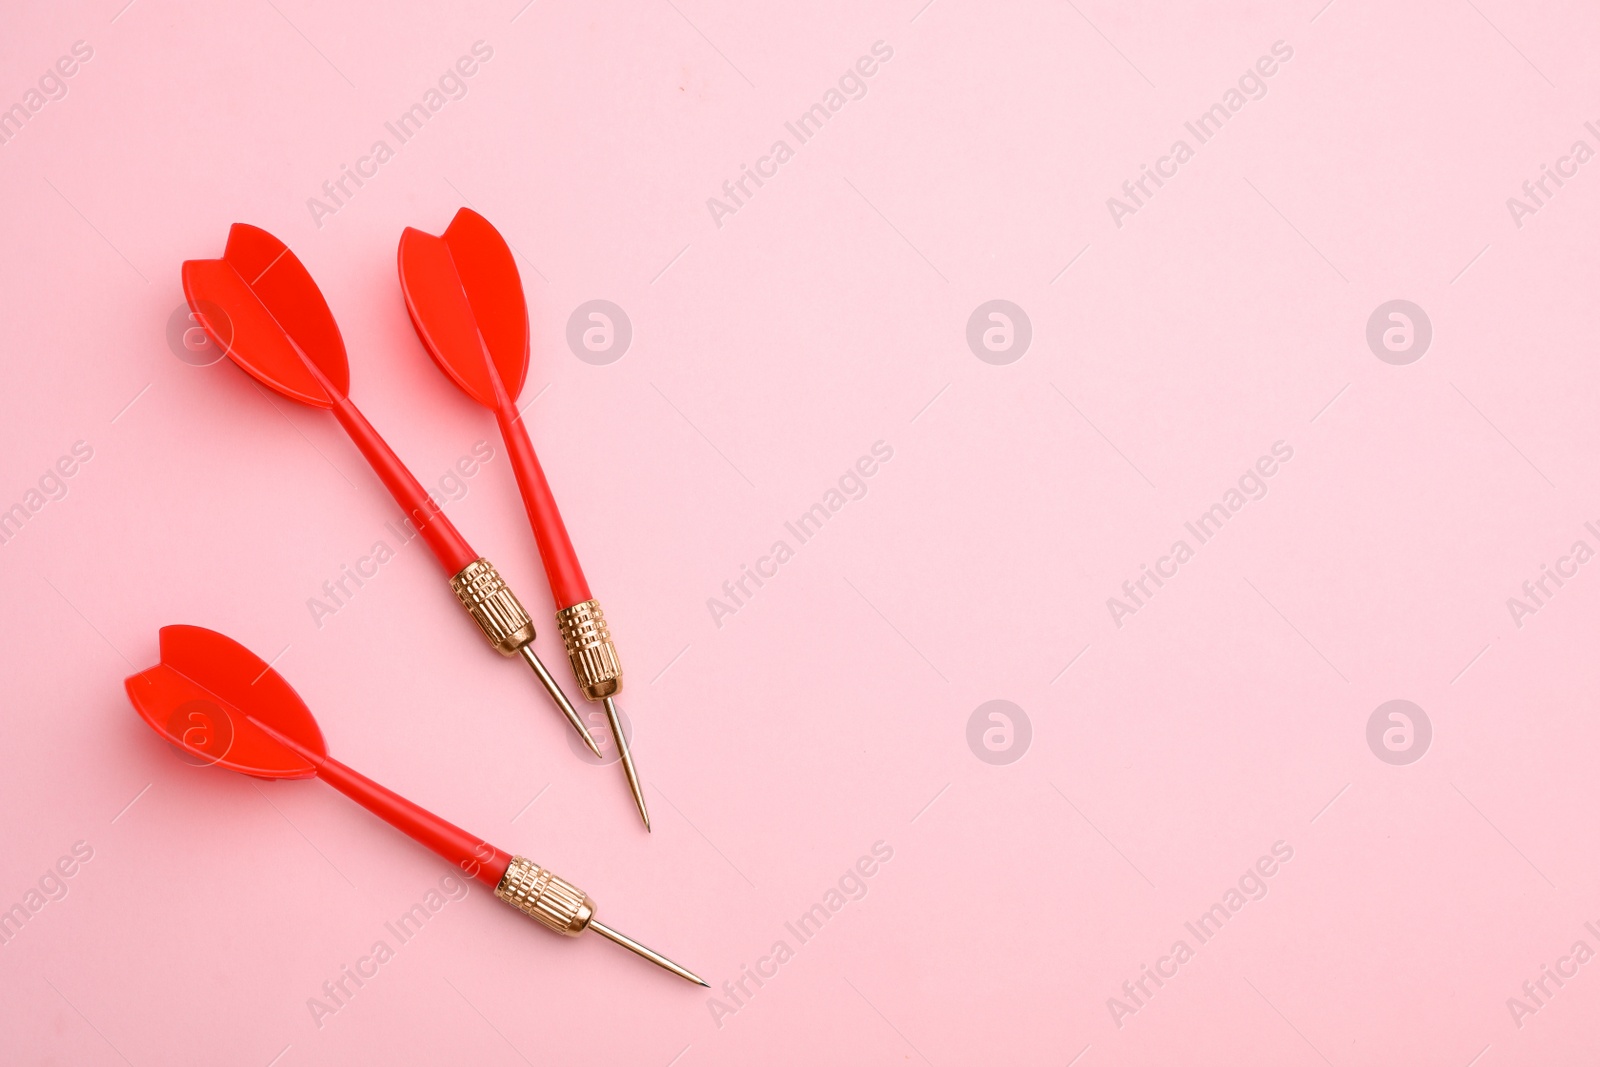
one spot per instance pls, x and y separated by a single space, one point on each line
650 954
559 697
627 761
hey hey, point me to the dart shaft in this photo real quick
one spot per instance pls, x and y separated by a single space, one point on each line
472 854
437 531
582 623
567 583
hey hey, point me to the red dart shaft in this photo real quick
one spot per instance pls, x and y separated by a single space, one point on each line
473 855
567 583
583 629
436 529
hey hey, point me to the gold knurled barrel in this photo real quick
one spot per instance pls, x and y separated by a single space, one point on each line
589 648
494 606
555 902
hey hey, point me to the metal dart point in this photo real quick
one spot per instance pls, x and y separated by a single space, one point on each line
561 906
504 621
599 671
556 694
654 957
627 760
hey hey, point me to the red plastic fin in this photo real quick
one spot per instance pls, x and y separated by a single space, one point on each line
260 305
465 297
202 693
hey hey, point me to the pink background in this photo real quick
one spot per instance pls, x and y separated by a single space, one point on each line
831 711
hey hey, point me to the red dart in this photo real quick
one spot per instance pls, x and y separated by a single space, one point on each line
260 305
465 298
219 702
